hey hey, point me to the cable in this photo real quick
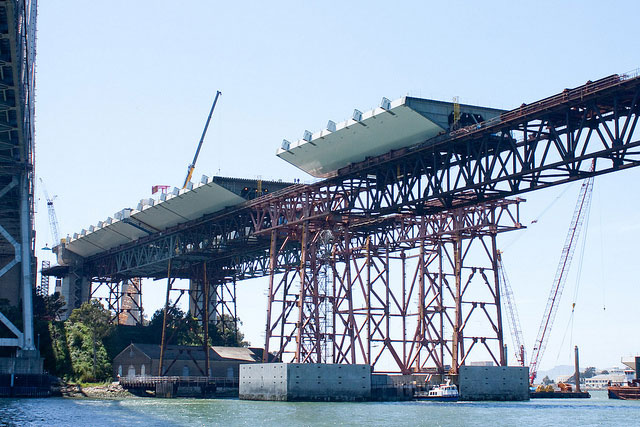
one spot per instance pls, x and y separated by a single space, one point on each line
538 218
604 283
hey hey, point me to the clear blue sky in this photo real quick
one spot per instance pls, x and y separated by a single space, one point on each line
124 87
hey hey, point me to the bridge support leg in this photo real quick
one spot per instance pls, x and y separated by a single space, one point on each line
163 341
447 270
205 318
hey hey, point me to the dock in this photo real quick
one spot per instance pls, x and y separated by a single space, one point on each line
168 386
560 395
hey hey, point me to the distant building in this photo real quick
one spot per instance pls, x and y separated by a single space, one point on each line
614 377
144 359
605 380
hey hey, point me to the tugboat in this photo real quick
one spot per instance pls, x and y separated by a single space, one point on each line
630 391
443 393
625 392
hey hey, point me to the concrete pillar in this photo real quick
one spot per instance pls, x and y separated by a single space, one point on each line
75 291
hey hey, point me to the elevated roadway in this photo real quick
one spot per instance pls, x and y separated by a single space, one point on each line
545 143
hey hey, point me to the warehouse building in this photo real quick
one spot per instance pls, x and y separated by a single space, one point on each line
144 360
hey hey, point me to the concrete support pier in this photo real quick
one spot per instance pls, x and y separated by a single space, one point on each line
305 382
494 383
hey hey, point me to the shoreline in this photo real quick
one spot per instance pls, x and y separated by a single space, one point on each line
104 392
114 391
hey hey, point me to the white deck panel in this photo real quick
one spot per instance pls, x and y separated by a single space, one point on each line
104 238
402 123
83 247
126 231
187 205
379 132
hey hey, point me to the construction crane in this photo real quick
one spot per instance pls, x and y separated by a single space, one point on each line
514 320
192 166
53 219
579 214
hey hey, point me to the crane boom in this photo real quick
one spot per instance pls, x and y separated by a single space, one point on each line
580 212
53 219
192 166
514 319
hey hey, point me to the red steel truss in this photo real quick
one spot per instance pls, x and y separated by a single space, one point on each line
122 298
401 293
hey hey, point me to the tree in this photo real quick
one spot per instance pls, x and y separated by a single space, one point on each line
94 321
182 328
589 372
48 307
546 380
226 332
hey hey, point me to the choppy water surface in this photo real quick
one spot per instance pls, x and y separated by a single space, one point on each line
597 411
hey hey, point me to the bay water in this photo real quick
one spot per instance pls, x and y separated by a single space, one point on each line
597 411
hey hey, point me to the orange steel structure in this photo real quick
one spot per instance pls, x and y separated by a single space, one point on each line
419 292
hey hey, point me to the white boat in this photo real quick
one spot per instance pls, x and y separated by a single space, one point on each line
444 392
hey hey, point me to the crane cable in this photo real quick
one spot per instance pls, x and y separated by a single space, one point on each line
604 283
538 218
576 288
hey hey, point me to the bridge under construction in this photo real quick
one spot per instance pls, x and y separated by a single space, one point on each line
391 258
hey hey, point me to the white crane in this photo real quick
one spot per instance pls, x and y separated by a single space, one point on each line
53 219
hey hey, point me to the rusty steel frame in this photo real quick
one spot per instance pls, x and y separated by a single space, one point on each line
373 315
221 295
122 298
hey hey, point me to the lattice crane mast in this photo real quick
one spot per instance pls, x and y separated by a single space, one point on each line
514 319
53 219
579 214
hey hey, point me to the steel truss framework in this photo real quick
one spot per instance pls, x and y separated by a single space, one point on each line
122 298
422 293
546 143
549 142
